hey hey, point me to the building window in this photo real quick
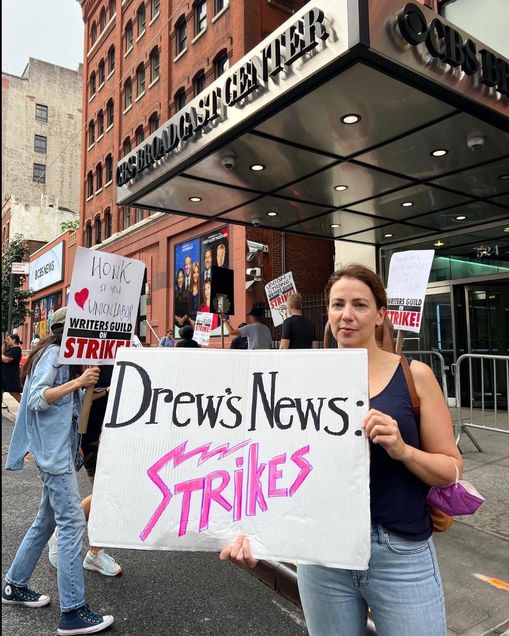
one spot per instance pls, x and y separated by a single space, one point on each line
39 173
107 224
110 113
91 85
199 82
154 9
221 64
102 20
128 36
90 185
220 5
154 65
180 100
111 59
88 235
93 33
138 215
126 146
98 177
41 112
200 16
153 123
91 133
141 19
97 228
128 93
100 124
40 144
101 76
181 37
126 217
139 135
111 8
140 80
109 168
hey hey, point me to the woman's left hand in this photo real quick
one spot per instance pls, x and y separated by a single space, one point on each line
382 429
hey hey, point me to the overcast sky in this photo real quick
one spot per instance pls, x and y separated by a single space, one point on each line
49 30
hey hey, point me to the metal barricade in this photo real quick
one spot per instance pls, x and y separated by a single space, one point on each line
436 361
482 384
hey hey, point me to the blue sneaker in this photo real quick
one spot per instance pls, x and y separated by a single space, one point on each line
22 595
82 621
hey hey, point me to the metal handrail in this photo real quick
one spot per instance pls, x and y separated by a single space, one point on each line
441 361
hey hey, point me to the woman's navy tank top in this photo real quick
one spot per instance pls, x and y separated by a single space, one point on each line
398 497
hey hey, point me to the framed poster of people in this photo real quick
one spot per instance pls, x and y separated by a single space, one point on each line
191 277
42 312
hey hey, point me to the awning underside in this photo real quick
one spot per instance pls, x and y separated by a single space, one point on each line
396 190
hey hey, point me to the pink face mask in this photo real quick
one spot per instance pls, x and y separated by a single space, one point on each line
458 498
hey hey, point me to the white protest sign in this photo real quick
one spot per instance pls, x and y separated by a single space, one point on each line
103 306
202 445
203 327
406 288
277 292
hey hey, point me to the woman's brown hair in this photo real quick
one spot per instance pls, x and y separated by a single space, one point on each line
36 353
366 276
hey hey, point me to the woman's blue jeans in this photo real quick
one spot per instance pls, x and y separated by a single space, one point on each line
402 588
61 506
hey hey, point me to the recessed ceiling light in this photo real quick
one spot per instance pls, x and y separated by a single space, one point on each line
272 213
461 217
350 118
335 225
340 188
439 152
388 235
438 243
504 177
256 167
407 204
195 199
506 229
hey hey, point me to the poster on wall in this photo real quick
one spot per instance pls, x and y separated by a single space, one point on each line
192 286
277 292
406 288
43 310
190 458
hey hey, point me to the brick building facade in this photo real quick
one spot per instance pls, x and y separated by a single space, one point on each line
143 61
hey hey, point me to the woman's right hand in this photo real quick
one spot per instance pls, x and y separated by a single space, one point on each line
90 377
239 552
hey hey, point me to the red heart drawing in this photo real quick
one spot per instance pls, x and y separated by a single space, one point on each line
81 297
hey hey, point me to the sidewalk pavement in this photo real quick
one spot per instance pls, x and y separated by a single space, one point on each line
474 553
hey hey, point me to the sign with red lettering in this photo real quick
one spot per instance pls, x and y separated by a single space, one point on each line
103 307
406 288
277 292
192 454
203 327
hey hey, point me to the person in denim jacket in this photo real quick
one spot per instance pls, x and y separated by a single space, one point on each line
46 427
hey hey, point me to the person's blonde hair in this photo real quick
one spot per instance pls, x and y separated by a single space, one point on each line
295 300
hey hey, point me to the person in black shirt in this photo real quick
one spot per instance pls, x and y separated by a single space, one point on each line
298 332
239 342
11 356
187 333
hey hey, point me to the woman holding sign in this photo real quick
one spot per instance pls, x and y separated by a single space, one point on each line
46 427
402 585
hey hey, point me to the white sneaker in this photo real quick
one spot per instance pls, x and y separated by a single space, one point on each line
101 562
52 549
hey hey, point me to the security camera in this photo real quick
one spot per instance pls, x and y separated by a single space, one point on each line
228 162
256 221
476 142
254 247
254 271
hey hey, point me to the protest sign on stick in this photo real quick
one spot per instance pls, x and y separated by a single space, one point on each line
277 292
101 315
203 327
192 454
406 288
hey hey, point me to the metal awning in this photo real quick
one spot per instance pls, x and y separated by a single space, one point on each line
376 181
